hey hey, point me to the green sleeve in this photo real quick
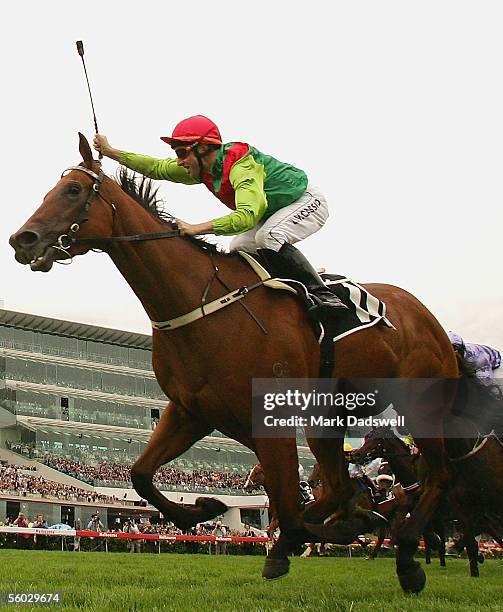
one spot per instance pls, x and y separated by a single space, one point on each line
247 178
159 169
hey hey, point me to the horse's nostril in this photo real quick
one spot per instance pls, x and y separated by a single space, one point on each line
27 238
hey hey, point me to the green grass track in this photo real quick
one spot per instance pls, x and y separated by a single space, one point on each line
200 583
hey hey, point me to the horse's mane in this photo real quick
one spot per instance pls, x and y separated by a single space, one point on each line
142 190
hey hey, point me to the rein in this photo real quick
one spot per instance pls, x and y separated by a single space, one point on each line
476 448
65 241
74 228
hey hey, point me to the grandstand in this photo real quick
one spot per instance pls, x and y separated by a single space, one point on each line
83 399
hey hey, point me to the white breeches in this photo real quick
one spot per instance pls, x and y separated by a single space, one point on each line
287 225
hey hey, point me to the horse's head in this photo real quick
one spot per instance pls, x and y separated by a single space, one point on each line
380 442
373 446
48 234
255 477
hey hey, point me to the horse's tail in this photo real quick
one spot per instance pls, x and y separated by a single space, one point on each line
479 400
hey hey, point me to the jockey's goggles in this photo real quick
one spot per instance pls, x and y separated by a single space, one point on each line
182 152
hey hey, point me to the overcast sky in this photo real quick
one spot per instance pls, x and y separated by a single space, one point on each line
393 108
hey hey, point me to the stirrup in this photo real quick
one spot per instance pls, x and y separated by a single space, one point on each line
322 310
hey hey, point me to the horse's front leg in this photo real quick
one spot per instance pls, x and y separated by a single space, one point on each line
410 574
175 433
381 534
279 462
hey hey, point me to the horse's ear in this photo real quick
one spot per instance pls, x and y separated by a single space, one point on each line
85 151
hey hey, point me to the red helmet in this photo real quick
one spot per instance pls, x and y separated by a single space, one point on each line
195 129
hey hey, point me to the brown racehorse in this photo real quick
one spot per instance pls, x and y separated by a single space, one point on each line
206 367
256 478
476 492
407 489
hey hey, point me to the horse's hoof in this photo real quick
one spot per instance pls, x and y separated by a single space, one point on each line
275 568
210 507
412 580
481 558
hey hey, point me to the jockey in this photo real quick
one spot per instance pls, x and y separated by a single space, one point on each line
481 358
272 203
306 493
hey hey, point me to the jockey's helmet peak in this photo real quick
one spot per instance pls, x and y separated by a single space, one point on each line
194 129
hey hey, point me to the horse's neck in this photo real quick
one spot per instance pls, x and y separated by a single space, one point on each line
402 465
167 275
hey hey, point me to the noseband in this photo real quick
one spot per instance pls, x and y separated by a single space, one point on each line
65 241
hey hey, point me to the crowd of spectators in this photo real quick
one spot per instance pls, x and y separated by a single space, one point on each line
114 473
17 480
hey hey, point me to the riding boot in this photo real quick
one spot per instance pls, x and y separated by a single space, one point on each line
290 263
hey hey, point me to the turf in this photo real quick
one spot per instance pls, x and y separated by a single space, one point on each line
200 583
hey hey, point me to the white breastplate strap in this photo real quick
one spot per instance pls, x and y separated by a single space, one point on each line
413 487
204 310
474 450
238 294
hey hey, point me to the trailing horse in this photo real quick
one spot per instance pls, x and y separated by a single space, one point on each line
206 366
475 496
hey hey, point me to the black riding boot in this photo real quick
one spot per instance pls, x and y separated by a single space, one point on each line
290 263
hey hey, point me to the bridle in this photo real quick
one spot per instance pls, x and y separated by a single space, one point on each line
67 240
380 450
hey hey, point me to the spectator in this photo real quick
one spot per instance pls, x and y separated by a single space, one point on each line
76 540
95 524
131 527
220 532
40 522
20 521
248 547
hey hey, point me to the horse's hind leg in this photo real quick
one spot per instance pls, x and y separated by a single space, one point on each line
336 490
175 433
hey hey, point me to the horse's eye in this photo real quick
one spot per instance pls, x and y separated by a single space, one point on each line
74 189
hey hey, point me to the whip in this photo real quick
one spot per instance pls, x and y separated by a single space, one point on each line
80 50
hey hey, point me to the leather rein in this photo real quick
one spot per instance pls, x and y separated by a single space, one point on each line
65 241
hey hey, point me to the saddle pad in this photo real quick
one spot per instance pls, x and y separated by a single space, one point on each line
364 309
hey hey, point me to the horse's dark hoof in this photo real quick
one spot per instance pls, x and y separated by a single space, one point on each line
481 558
209 507
275 568
412 580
